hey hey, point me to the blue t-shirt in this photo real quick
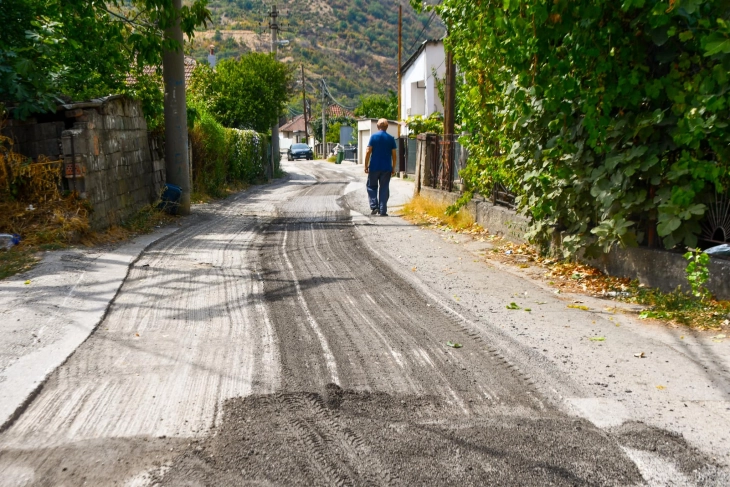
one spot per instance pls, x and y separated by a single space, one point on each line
381 158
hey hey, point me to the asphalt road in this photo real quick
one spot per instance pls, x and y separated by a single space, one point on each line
269 343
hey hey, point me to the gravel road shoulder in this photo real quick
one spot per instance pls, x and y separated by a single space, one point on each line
682 386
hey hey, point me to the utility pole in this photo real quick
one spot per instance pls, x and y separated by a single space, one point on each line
274 26
400 41
400 94
324 122
449 108
304 106
177 164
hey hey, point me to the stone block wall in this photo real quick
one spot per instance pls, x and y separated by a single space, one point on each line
33 138
108 158
106 152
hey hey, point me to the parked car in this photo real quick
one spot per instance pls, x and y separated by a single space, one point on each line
300 151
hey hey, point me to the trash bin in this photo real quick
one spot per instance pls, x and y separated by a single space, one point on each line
340 156
170 200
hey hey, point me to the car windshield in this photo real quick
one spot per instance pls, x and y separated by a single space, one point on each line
300 146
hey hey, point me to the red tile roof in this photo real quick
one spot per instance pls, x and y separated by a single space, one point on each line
190 64
338 111
296 124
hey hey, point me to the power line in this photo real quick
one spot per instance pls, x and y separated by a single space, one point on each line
327 91
418 38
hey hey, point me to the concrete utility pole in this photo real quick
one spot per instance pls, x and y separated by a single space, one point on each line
274 26
177 164
304 106
324 122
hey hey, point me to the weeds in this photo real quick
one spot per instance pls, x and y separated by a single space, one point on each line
16 260
424 211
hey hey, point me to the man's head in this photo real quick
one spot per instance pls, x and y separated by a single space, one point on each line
211 49
383 124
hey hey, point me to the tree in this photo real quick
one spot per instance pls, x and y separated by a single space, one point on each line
249 93
81 48
378 106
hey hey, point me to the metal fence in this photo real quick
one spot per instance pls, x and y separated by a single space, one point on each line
411 155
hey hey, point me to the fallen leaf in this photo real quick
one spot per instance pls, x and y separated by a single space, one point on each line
541 302
136 334
512 306
453 344
27 282
414 269
528 309
640 355
682 337
661 388
578 306
719 337
597 339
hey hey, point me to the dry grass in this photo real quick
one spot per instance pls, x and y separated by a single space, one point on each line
32 206
424 211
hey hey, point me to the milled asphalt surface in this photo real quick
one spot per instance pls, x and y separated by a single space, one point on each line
282 338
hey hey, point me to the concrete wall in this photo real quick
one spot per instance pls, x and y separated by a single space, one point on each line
33 138
108 159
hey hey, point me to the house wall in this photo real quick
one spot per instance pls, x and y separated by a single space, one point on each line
418 86
435 58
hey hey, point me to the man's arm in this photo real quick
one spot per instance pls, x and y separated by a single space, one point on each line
368 153
394 157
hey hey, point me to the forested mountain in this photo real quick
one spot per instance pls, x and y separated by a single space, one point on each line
353 44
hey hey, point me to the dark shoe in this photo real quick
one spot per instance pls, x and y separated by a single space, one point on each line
374 211
384 214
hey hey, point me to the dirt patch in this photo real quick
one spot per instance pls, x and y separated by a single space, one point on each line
343 437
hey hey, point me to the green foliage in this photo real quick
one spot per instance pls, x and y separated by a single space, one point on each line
697 273
223 156
378 106
249 93
80 49
333 127
147 89
611 120
433 124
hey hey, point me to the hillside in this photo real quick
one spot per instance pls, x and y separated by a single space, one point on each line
353 44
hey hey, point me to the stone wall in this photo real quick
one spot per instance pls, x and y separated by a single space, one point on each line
108 158
33 138
106 153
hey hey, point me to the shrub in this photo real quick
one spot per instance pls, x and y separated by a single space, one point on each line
223 156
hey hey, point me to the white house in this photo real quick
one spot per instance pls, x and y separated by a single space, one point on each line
365 128
419 95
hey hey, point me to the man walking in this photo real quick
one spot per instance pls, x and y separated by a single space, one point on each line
380 160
